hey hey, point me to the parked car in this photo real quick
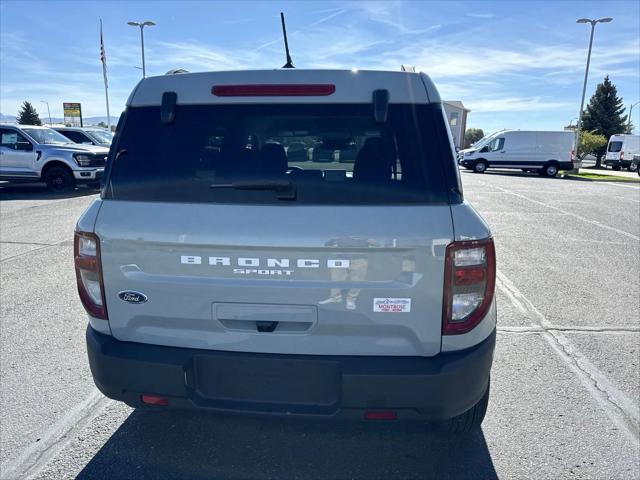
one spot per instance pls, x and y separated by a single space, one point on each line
620 151
544 152
87 135
33 153
252 287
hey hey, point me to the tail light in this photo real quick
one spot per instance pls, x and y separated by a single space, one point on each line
469 284
572 156
89 274
621 156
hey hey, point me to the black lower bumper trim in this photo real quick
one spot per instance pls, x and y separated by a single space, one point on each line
433 388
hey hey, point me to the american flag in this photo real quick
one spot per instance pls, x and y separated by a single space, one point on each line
103 57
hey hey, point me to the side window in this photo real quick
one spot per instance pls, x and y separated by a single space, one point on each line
77 137
11 139
496 144
453 118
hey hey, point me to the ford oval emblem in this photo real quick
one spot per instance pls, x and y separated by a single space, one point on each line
132 297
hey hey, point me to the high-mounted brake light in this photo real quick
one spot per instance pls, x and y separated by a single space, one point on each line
275 90
469 284
89 274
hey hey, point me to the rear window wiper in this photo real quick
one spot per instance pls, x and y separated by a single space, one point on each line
283 188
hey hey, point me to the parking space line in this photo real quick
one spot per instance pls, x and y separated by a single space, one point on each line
569 328
618 407
574 215
42 247
35 457
612 184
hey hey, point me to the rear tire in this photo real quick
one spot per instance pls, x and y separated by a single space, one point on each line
549 170
616 168
469 420
480 167
59 180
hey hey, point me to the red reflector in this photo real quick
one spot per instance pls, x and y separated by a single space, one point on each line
153 400
381 415
469 276
278 90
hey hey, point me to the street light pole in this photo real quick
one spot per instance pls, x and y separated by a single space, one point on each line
48 111
586 72
631 110
147 23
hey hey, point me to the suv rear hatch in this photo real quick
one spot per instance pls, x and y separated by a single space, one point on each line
237 247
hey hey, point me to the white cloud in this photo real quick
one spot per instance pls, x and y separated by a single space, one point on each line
516 104
481 15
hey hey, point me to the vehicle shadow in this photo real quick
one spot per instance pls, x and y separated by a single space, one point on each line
186 445
38 191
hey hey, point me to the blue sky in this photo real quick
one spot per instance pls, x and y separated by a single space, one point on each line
514 64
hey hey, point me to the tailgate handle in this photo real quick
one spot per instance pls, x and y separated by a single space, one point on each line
266 327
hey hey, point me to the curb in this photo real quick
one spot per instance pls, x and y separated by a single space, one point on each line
617 180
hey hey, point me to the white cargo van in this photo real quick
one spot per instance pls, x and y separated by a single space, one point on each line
545 152
621 150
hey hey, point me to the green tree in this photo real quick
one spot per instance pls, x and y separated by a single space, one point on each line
590 143
604 115
102 124
28 115
472 135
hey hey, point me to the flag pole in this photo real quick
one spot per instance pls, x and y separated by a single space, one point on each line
103 59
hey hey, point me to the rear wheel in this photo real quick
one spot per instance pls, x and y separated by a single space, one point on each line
59 180
469 420
480 167
616 167
549 170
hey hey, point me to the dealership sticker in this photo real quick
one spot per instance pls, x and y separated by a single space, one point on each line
392 305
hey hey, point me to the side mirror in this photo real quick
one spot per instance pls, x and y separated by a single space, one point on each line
24 146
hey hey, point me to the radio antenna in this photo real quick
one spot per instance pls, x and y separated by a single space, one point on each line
289 63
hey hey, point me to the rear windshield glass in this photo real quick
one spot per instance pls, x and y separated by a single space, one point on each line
615 146
318 154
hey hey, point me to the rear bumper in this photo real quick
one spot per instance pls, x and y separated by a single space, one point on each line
417 388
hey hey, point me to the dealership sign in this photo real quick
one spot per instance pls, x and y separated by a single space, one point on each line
72 114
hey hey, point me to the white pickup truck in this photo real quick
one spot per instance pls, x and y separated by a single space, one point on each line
30 153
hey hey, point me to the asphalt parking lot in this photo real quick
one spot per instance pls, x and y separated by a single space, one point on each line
565 385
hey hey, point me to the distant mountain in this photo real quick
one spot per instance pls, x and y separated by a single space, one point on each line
45 119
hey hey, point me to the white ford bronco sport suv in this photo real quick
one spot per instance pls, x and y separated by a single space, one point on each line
220 274
30 153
